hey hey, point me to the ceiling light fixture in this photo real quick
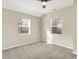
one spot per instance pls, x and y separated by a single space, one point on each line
44 2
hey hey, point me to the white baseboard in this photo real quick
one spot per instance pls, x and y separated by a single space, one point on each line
62 45
18 45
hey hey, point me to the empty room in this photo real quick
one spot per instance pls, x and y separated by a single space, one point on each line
39 29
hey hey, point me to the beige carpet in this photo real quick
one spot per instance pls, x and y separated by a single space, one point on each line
38 51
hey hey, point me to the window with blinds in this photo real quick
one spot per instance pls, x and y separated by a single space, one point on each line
56 26
24 26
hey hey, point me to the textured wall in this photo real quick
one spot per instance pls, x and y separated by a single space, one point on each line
67 37
10 35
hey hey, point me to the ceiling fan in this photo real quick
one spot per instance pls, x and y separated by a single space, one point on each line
44 2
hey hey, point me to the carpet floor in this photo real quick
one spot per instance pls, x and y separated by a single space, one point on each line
38 51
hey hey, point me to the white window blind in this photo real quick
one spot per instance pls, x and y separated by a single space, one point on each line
24 26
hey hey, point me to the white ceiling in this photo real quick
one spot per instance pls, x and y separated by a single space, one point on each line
34 7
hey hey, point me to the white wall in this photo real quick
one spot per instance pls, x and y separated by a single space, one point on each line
67 37
9 26
12 39
75 28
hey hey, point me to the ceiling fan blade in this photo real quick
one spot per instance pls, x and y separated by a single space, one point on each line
44 0
48 0
39 0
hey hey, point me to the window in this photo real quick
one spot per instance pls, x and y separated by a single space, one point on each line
23 26
56 26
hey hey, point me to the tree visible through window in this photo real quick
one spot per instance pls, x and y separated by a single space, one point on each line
24 26
56 26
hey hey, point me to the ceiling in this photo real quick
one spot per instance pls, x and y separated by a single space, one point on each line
34 7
